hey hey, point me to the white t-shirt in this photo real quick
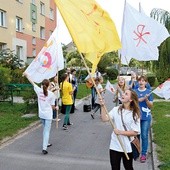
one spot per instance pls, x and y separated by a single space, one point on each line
99 87
45 110
54 87
130 125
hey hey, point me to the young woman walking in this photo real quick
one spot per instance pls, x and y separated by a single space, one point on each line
145 102
67 99
130 113
46 105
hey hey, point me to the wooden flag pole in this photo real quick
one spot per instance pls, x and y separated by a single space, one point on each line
57 104
100 97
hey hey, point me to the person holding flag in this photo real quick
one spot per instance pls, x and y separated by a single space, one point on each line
46 105
100 90
120 89
145 103
129 112
54 87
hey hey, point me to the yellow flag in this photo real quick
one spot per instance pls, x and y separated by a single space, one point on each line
94 58
91 27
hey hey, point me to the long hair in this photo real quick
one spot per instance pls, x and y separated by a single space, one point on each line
134 105
123 88
63 78
45 84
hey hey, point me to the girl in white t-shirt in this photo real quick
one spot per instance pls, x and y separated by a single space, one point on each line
97 101
54 87
46 105
120 89
131 117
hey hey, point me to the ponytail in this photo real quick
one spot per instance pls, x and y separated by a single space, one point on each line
64 76
45 84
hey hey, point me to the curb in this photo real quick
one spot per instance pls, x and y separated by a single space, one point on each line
6 141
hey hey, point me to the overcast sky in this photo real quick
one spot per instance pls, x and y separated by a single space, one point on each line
115 9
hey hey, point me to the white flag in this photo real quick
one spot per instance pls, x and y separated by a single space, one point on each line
141 35
48 61
163 90
109 87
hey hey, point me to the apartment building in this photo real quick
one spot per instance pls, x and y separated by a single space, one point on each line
25 26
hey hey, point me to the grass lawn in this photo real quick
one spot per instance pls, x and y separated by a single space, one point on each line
10 119
83 91
161 129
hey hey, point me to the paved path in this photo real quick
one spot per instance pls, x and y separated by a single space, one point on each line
83 147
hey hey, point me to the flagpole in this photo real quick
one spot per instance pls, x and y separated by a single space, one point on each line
57 104
123 25
104 106
142 61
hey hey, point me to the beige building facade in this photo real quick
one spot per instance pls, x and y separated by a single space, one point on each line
25 26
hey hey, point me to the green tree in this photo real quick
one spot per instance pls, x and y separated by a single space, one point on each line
10 60
161 67
5 79
108 60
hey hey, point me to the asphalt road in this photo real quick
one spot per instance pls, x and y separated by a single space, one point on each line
85 146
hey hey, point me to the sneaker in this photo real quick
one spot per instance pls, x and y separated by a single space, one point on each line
49 145
69 124
92 116
44 152
65 127
143 159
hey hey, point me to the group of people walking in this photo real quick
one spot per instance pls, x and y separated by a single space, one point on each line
133 110
49 96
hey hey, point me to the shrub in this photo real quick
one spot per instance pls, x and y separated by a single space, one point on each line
5 79
112 73
17 76
151 79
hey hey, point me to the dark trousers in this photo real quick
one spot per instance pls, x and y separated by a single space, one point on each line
115 160
97 107
54 111
93 97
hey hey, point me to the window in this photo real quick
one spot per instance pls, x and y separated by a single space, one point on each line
2 18
33 2
19 51
51 14
33 40
33 27
21 1
3 46
19 24
50 32
42 32
42 8
33 15
34 52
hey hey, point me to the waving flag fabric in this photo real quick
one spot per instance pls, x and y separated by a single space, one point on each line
141 35
94 58
163 90
110 87
91 28
48 61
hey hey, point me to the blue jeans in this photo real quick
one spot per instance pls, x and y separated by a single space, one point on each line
46 131
145 126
